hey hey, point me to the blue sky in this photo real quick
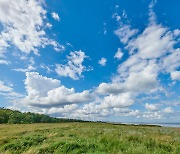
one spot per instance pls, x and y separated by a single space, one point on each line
104 60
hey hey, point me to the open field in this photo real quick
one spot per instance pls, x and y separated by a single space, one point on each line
88 138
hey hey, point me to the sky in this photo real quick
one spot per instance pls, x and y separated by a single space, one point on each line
115 60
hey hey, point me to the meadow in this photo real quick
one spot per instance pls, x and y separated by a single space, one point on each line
78 137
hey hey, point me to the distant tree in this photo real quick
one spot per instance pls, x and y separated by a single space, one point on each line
28 118
2 120
16 117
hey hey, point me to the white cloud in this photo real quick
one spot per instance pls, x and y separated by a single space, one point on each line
90 111
176 32
23 26
153 112
152 15
121 100
175 75
110 88
151 107
30 65
48 25
123 93
168 110
61 110
48 92
143 81
5 62
172 61
55 16
154 42
74 67
125 33
28 69
152 115
125 112
102 61
47 68
4 88
8 92
39 85
118 54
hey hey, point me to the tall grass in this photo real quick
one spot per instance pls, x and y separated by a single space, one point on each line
88 138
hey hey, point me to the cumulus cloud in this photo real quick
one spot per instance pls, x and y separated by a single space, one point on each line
121 100
123 94
151 107
177 32
61 110
23 26
175 75
94 111
110 88
37 84
136 82
118 54
125 112
90 111
74 67
102 61
55 16
168 110
152 115
48 92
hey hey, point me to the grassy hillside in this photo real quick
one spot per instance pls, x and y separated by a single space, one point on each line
88 138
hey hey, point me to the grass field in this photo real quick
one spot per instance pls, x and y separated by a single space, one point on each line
88 138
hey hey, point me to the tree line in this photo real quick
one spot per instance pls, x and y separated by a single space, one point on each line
17 117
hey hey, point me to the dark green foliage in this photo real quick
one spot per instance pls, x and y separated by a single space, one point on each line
16 117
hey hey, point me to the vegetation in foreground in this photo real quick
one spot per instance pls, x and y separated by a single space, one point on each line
88 138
